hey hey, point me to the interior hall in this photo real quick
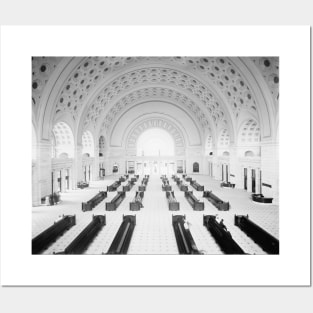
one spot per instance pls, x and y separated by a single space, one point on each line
155 155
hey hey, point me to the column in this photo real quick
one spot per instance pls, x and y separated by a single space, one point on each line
257 180
214 161
69 174
95 165
77 166
235 173
64 181
36 200
270 170
249 180
44 168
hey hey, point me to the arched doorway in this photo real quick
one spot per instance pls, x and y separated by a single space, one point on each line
62 140
155 153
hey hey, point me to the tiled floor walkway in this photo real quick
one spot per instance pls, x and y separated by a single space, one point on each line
154 233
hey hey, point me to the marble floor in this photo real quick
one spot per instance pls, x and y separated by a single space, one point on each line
153 233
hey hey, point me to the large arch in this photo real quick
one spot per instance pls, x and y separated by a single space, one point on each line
156 93
47 106
88 143
201 96
205 95
264 99
147 110
64 140
228 79
156 141
249 136
156 122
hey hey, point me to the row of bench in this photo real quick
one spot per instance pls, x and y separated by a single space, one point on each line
184 239
192 200
216 201
209 195
192 182
82 241
116 201
135 205
222 236
218 229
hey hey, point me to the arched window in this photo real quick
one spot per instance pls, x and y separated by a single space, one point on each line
223 139
249 133
155 142
208 145
223 142
101 146
62 140
63 155
249 139
88 143
249 154
195 167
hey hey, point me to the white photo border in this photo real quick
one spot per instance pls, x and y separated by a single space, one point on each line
291 268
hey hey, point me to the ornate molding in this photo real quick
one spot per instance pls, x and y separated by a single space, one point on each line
156 123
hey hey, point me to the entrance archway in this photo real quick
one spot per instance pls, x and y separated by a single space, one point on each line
155 142
155 150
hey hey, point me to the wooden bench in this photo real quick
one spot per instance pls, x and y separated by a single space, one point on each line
129 186
82 185
51 234
173 204
115 202
122 179
227 185
144 181
165 181
182 187
136 204
90 204
197 186
142 188
166 187
187 178
86 236
193 201
134 179
184 239
261 237
216 201
114 186
222 236
175 178
121 241
261 199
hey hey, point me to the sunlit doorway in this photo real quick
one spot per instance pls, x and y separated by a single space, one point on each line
155 153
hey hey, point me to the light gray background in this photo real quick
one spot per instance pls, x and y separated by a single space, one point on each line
155 299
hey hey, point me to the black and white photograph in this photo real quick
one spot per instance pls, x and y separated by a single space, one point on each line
155 156
147 155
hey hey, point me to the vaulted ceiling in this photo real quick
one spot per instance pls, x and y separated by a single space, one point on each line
213 93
